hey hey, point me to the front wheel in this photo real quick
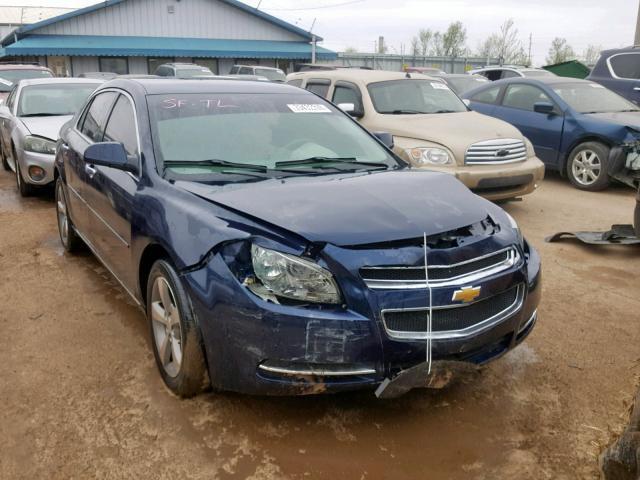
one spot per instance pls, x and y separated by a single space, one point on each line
587 166
68 236
3 157
25 189
175 334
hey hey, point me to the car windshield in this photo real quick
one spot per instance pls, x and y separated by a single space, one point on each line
463 84
592 98
194 72
537 73
216 133
53 99
273 75
409 96
9 77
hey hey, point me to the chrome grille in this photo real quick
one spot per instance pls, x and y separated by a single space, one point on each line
399 277
453 320
500 150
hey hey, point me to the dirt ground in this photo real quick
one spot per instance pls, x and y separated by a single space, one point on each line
80 396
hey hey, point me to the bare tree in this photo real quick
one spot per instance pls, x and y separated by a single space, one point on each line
351 50
560 51
422 43
437 45
454 40
504 45
591 54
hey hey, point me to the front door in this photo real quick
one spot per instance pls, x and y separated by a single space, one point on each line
110 193
543 130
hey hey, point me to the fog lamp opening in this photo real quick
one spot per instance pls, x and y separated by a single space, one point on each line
36 173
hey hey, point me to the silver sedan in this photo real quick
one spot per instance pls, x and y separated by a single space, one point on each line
30 121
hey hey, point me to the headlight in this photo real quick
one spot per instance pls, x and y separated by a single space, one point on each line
39 145
430 156
293 277
516 229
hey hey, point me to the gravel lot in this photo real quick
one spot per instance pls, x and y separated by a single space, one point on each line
80 396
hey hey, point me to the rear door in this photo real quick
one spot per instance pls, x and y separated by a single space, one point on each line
625 75
543 130
110 193
90 128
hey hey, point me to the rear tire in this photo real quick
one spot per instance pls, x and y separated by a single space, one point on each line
587 166
175 334
25 189
68 236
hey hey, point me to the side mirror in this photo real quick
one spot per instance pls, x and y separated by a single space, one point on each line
350 108
109 154
385 137
543 107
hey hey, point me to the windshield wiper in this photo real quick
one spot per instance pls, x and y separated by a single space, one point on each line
45 114
402 112
444 111
214 163
341 160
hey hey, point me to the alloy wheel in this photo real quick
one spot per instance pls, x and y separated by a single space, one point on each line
167 330
586 167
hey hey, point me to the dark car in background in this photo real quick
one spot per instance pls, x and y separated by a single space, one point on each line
619 71
12 73
278 247
577 127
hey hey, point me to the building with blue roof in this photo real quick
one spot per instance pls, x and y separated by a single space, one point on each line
135 36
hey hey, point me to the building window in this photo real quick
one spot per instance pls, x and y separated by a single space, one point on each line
119 65
154 63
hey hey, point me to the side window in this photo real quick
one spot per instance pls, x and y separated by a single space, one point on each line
490 95
234 70
296 82
626 65
96 116
246 71
509 74
121 126
524 97
493 75
319 87
347 94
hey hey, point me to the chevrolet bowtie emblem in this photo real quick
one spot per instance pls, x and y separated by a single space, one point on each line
466 295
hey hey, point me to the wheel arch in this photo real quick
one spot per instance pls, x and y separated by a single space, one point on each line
151 253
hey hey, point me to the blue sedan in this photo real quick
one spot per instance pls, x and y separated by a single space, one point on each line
277 247
577 127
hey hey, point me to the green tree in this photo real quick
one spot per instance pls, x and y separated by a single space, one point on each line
560 51
454 40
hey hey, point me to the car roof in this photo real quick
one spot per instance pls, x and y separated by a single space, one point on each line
165 85
364 76
461 75
257 66
59 80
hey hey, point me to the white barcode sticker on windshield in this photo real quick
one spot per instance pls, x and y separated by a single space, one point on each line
308 108
439 86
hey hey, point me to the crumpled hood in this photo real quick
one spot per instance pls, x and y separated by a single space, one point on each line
624 119
354 209
48 127
456 131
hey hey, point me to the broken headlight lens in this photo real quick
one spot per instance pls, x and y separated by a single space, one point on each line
293 277
39 145
430 156
516 229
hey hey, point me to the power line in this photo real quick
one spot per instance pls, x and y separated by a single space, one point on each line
315 8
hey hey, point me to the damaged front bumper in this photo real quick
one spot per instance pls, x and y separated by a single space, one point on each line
259 347
624 163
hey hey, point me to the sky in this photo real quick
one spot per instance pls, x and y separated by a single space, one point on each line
359 23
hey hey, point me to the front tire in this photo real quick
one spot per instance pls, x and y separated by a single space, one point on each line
175 334
68 236
587 166
25 189
3 157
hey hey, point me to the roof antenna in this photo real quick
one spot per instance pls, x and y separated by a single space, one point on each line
258 6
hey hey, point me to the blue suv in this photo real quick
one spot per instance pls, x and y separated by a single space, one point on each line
619 70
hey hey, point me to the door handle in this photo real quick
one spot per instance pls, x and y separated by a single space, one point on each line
90 170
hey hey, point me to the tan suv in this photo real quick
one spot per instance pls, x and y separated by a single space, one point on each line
433 128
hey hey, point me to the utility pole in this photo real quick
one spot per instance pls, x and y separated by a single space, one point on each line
530 38
313 42
637 38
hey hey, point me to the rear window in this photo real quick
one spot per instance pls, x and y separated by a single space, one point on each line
9 77
626 65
